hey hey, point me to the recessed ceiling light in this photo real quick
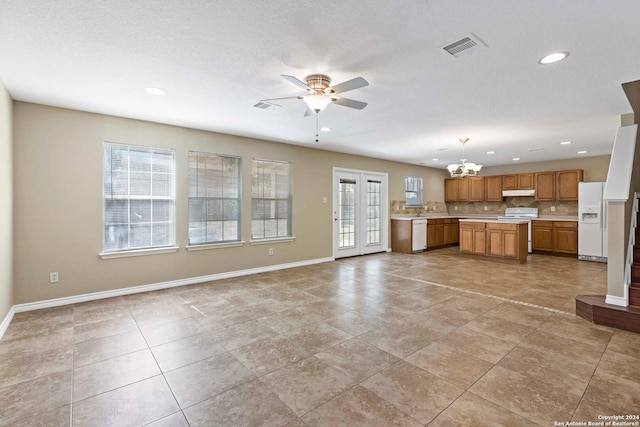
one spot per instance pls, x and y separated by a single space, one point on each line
155 91
566 142
491 152
516 158
582 152
325 129
554 57
436 159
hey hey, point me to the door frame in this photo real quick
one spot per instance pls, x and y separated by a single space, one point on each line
363 176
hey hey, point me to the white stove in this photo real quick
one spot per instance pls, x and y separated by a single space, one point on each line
522 214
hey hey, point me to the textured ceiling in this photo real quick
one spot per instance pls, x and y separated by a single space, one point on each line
216 59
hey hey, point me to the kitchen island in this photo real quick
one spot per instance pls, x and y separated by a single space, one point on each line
494 238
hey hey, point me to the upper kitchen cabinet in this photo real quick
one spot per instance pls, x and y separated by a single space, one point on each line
476 188
450 190
545 186
567 184
463 189
493 188
521 181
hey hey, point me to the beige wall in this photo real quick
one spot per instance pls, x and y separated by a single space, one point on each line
6 205
595 168
58 205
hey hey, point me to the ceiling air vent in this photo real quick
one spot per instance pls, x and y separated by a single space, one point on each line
464 46
266 105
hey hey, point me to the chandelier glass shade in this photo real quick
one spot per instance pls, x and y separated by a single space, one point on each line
317 103
464 168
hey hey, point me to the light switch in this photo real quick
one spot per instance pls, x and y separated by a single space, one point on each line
324 199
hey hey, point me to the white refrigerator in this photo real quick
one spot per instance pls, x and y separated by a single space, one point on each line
592 222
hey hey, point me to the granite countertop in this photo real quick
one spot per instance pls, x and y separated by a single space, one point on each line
557 218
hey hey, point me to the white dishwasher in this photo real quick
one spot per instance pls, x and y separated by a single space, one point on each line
419 235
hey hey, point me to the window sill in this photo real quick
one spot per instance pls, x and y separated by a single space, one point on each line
138 252
271 241
214 246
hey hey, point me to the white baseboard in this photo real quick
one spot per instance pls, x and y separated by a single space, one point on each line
5 322
614 300
19 308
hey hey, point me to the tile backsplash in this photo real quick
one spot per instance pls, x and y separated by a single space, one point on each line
544 208
399 207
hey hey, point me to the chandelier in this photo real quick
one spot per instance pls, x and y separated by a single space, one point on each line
465 168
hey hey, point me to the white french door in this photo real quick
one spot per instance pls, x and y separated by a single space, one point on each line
360 212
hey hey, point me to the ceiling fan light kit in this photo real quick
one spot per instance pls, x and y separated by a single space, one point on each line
464 168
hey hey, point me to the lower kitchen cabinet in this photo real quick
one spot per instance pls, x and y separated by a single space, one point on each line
442 232
555 237
494 239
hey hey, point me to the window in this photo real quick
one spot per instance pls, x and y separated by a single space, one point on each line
374 189
413 191
214 198
270 199
138 190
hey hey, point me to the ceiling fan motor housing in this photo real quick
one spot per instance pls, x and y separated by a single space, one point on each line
318 82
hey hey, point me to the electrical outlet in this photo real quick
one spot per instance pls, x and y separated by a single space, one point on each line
485 208
270 251
455 208
324 199
553 208
54 277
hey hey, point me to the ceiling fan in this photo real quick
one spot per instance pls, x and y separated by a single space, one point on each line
320 93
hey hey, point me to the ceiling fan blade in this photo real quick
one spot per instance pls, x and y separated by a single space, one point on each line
351 103
352 84
278 99
308 112
296 82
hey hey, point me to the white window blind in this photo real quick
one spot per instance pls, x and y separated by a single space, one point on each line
138 190
214 198
271 199
413 191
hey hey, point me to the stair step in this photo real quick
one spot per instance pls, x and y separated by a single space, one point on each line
634 295
635 273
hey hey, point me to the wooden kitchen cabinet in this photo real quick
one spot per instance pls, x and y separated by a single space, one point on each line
440 232
520 181
450 231
401 237
557 237
463 190
545 186
542 236
503 240
476 188
450 190
431 234
565 237
493 188
567 184
472 238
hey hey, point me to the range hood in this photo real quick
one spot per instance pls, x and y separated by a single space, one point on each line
518 193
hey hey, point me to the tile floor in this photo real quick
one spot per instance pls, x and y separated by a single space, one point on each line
388 339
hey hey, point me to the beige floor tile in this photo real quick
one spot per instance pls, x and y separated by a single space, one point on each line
106 375
103 328
500 328
27 364
358 407
584 351
176 354
250 404
292 318
317 338
199 381
245 333
136 404
176 419
270 354
88 352
532 399
485 347
356 359
172 331
625 343
413 391
307 384
614 392
472 410
589 411
400 339
53 418
548 367
518 313
441 360
355 323
32 399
